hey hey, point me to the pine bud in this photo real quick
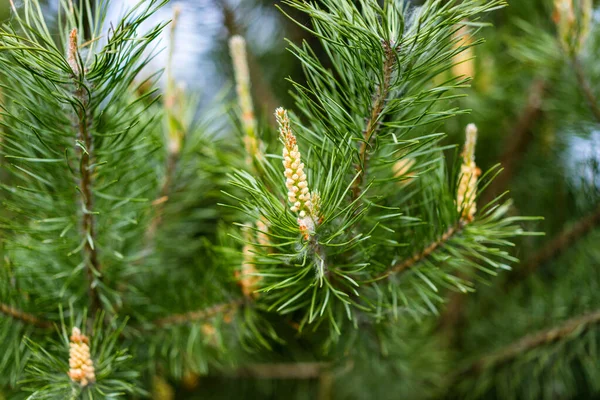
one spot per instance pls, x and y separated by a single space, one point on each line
174 94
467 186
237 48
401 169
73 52
315 205
81 366
174 100
463 62
299 196
175 20
572 24
585 20
470 143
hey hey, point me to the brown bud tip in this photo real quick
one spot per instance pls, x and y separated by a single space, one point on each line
176 14
72 52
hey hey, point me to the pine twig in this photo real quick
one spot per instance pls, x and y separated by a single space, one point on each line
373 122
530 342
22 316
516 147
84 136
88 220
181 319
418 257
586 88
559 244
518 143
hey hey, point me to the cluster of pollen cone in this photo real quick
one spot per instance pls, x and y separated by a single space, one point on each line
469 174
302 201
81 366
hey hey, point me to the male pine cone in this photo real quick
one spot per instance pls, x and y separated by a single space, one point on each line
81 366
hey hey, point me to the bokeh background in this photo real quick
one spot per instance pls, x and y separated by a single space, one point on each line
524 97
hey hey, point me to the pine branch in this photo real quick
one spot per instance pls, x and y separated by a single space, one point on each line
559 244
517 145
585 87
19 315
373 122
415 259
180 319
530 342
83 125
356 95
88 220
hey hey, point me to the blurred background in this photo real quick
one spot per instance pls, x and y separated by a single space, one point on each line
534 116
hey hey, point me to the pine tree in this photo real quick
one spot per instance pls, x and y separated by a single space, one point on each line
341 239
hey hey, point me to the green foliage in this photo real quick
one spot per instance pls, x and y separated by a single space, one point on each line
376 106
565 366
119 205
410 361
45 376
47 110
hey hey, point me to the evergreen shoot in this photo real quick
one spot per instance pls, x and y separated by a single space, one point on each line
146 246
